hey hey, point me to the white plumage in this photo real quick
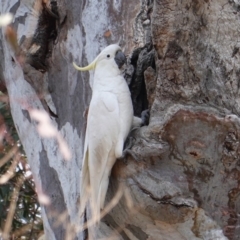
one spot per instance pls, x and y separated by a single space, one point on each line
110 117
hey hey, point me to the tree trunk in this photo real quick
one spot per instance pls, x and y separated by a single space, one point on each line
181 178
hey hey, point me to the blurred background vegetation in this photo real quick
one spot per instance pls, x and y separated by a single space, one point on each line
19 207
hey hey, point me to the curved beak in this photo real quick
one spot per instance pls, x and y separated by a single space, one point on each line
120 59
87 68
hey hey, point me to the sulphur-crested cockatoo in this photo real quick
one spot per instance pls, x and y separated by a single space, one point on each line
109 120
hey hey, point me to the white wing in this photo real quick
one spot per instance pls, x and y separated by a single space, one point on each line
101 138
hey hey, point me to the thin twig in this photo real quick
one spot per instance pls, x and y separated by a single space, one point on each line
106 210
8 156
11 171
12 208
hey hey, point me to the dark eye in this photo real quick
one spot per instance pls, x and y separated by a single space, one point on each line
108 56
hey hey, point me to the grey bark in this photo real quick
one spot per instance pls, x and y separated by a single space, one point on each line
181 177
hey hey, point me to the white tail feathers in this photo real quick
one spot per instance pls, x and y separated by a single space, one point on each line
85 184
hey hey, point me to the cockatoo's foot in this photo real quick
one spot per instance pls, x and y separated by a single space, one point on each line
145 115
127 153
129 143
127 146
131 140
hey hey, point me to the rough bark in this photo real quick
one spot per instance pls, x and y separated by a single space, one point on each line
181 177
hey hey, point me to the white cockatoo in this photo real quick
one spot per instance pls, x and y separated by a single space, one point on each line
109 120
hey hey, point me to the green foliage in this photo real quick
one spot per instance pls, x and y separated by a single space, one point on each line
26 222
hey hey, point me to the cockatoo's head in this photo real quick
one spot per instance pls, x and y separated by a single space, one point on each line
111 56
